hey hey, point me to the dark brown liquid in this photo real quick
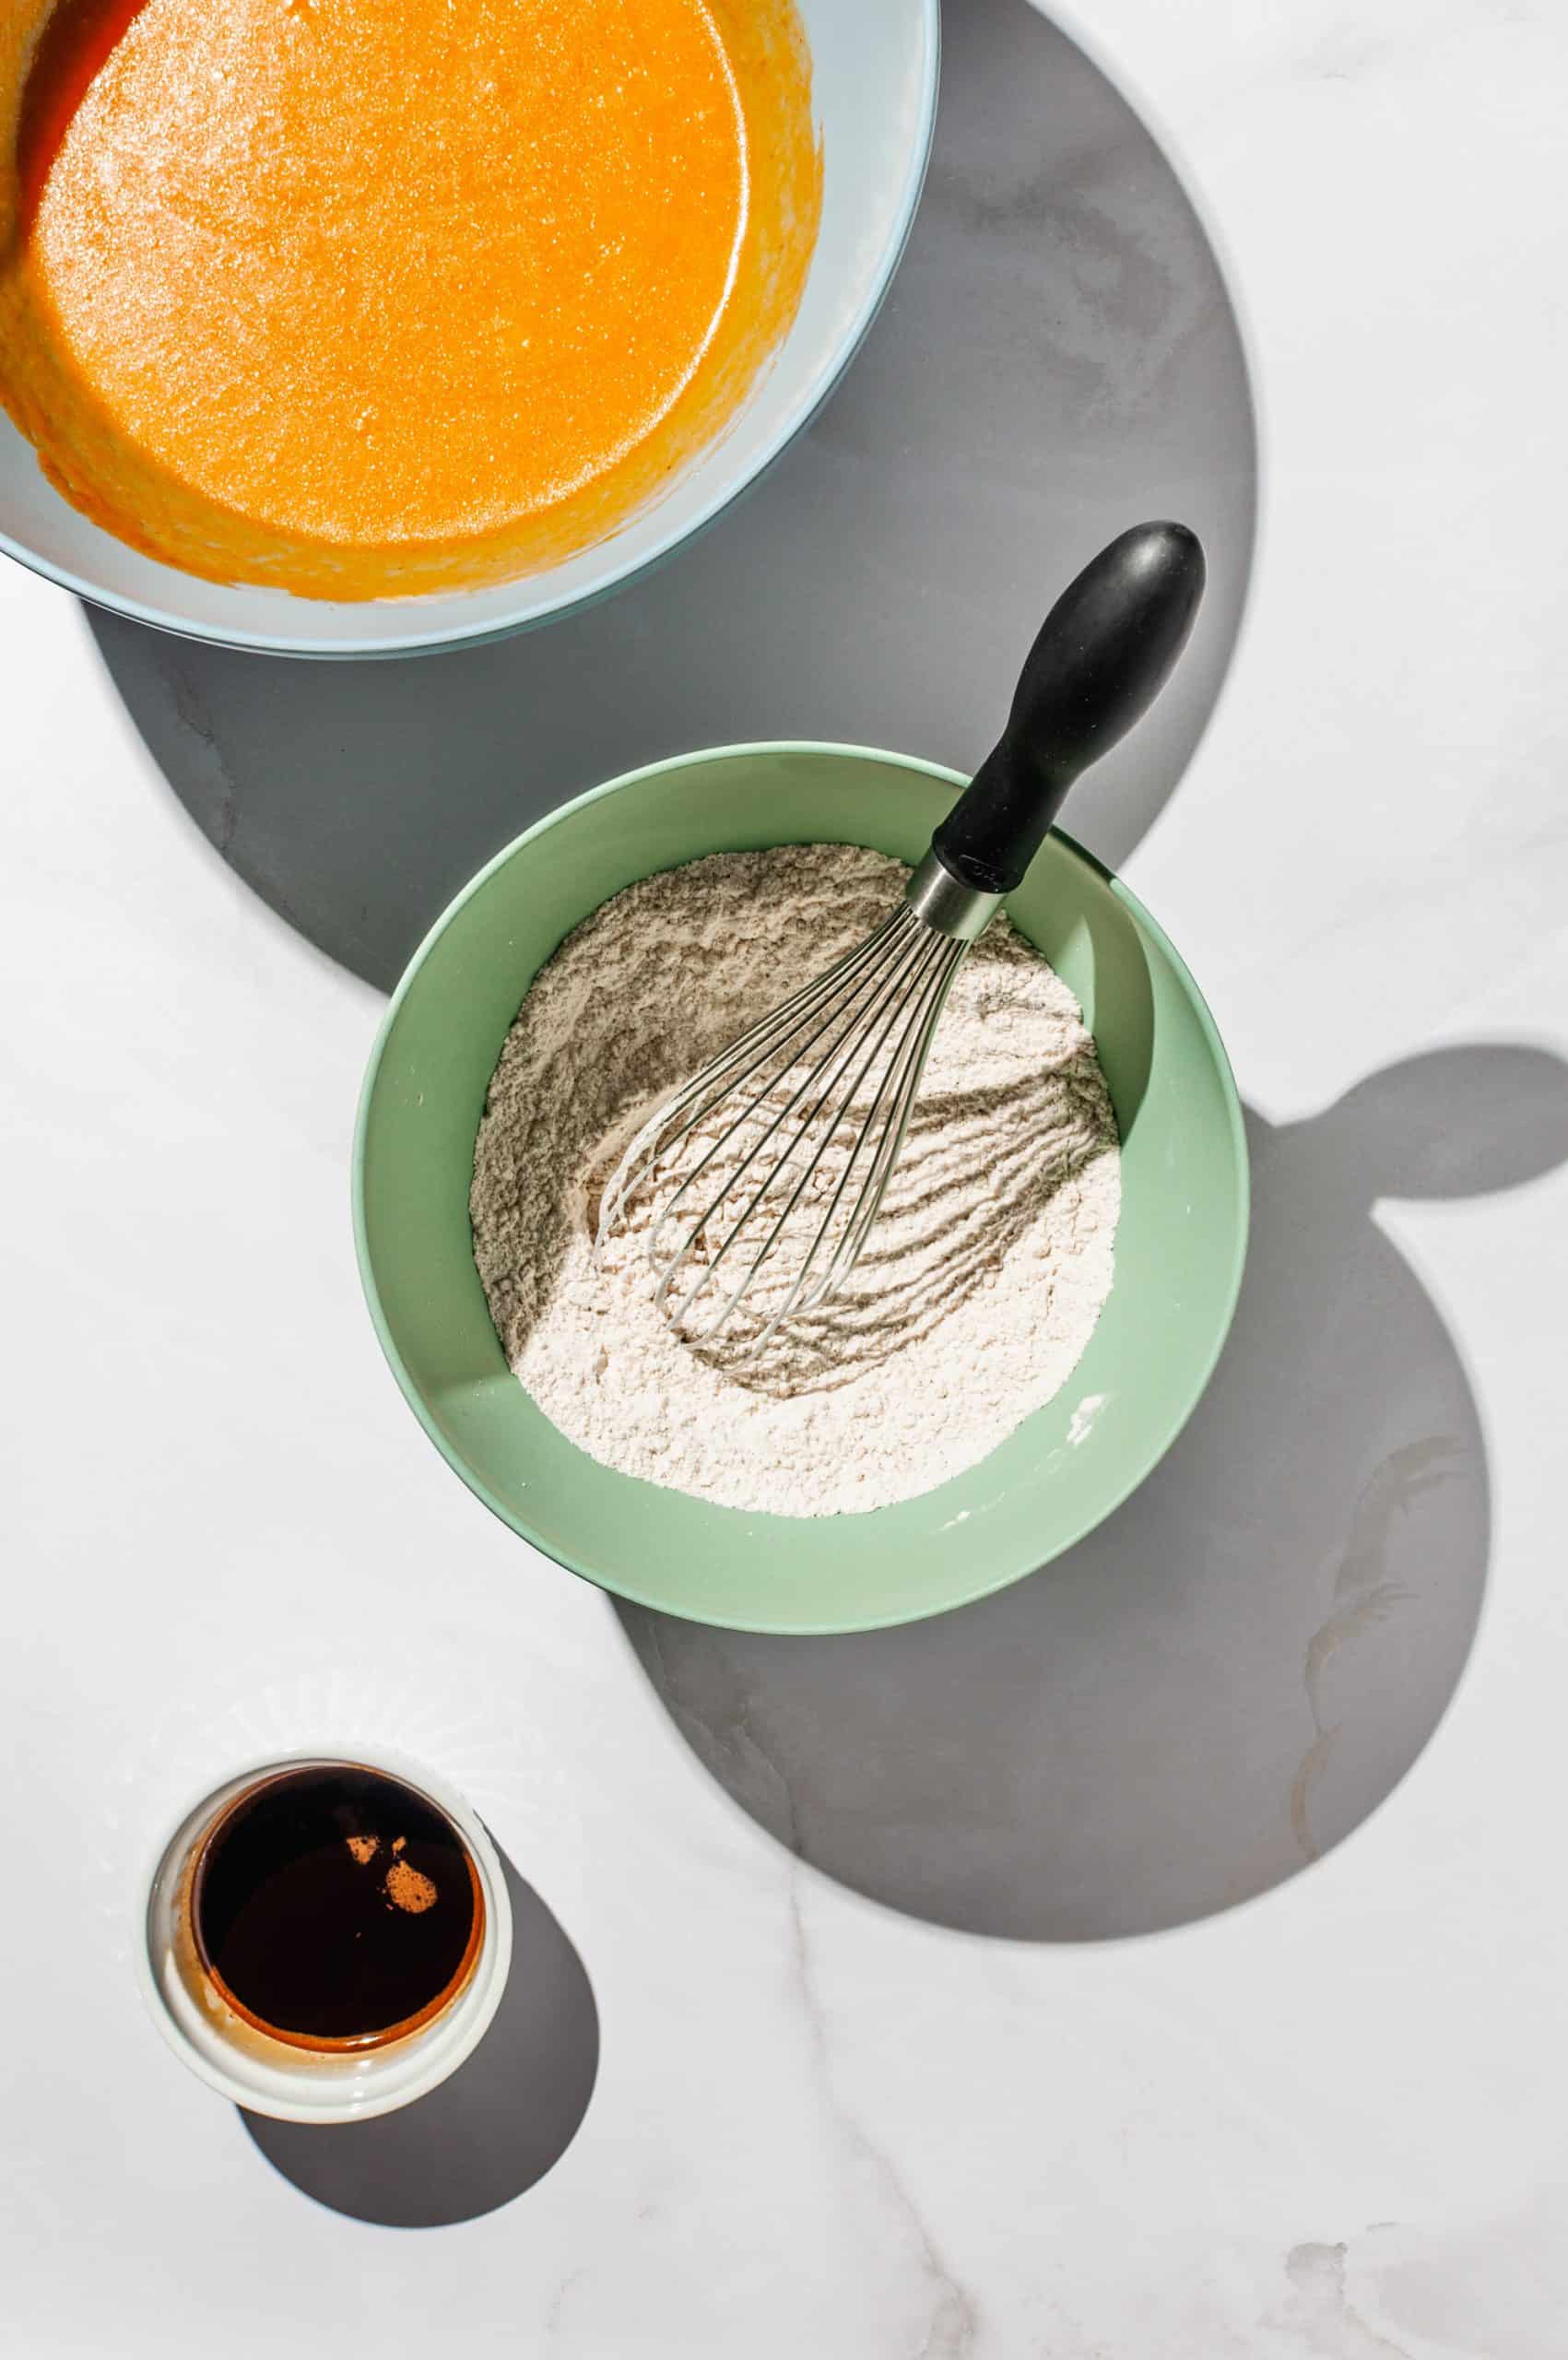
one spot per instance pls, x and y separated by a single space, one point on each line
337 1906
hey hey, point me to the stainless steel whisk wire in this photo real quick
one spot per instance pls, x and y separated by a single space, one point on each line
904 969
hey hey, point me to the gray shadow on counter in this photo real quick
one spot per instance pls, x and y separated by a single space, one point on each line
492 2132
1058 359
1230 1676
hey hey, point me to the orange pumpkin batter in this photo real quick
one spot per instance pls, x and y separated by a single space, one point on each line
364 297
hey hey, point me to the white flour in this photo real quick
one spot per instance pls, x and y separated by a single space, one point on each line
978 1288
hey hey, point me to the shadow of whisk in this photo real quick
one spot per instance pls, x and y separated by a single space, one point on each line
979 1170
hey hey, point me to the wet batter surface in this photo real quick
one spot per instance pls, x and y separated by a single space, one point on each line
359 300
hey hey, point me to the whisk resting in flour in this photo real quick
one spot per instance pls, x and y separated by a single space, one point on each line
765 1171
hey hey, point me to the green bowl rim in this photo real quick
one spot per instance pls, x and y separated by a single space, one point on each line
992 1580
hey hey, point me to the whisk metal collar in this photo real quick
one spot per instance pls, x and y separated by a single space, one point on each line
946 904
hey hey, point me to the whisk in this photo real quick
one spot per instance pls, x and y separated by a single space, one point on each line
775 1159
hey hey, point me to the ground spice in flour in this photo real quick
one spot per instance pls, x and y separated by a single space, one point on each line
979 1286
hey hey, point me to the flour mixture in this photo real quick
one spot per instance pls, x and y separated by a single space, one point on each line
979 1286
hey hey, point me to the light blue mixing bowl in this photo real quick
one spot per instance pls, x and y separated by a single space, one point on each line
874 90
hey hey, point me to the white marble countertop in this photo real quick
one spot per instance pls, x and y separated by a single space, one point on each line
902 1971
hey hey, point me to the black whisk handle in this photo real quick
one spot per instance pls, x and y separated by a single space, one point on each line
1103 653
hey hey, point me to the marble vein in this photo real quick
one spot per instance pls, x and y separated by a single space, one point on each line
1364 1595
952 2323
953 2319
1329 2325
190 709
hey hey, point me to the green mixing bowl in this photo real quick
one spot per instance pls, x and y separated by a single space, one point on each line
1179 1246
